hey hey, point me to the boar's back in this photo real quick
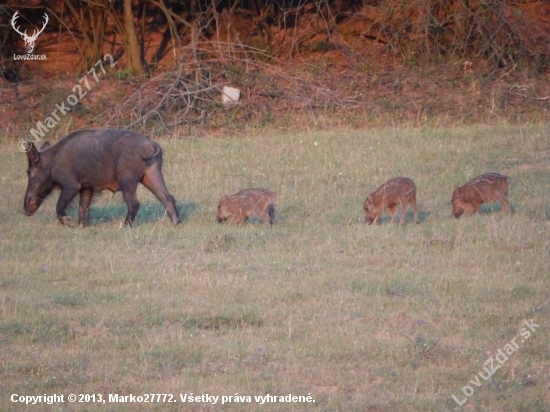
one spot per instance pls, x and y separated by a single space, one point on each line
99 159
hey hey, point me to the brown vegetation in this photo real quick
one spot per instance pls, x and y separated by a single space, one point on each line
367 63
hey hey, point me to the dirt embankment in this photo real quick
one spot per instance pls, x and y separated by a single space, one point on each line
342 66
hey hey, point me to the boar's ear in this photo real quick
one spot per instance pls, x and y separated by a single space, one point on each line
45 145
33 154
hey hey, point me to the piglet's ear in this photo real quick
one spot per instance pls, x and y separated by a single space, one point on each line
33 154
45 146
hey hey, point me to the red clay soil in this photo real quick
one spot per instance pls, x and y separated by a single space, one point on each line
346 73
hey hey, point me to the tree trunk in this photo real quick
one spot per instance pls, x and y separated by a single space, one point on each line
134 60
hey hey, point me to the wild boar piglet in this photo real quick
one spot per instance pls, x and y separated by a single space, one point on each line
239 206
489 187
396 191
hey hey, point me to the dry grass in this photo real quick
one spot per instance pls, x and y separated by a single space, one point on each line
364 318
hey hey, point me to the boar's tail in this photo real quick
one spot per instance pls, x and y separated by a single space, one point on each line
271 213
157 153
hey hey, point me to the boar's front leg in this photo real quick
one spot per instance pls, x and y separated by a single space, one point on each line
393 211
85 200
468 209
505 203
404 206
67 194
415 209
239 218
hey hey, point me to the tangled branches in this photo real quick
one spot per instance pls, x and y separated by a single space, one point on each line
172 98
191 93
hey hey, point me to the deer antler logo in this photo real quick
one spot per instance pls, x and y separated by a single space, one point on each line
29 40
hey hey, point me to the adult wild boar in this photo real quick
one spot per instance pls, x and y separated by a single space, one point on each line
399 190
88 161
490 187
240 206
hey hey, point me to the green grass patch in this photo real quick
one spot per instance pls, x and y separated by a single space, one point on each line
381 318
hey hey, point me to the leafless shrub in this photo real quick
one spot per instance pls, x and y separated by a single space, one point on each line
191 93
501 31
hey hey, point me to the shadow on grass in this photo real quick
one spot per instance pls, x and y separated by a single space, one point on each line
492 208
255 220
251 220
223 321
146 213
422 216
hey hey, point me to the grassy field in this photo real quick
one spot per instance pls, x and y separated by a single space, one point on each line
362 318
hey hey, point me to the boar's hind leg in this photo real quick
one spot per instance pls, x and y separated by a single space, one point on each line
412 201
271 213
153 180
267 216
129 188
67 194
85 200
404 206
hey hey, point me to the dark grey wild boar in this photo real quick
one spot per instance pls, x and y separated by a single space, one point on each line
89 161
490 187
250 202
399 190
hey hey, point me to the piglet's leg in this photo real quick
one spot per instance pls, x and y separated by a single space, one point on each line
403 212
393 211
505 204
415 209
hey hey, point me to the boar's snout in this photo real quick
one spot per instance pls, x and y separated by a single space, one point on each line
222 216
223 210
456 209
33 202
369 219
369 214
30 206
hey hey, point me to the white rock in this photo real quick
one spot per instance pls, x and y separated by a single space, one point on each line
230 95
